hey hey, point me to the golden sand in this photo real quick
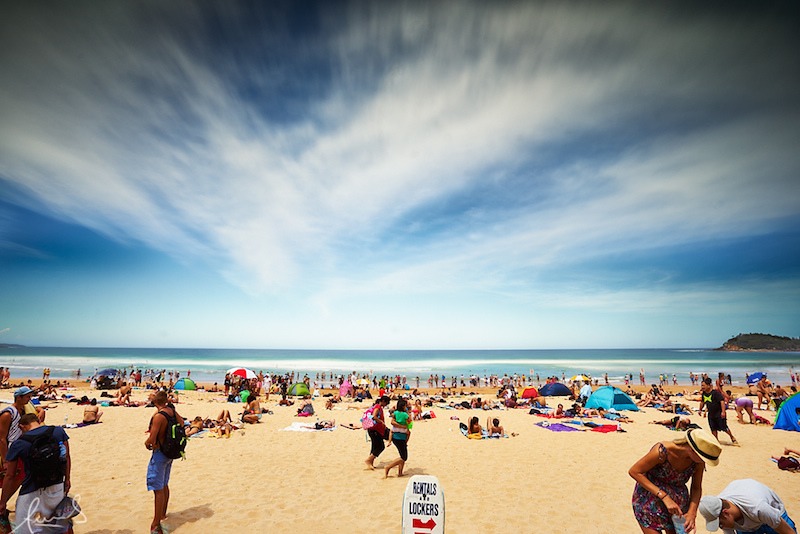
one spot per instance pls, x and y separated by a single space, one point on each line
266 480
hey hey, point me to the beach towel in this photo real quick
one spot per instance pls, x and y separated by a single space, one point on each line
605 428
302 427
79 425
200 434
557 427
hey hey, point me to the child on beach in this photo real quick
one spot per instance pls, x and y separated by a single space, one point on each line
401 435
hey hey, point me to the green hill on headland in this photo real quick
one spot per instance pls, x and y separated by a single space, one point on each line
762 342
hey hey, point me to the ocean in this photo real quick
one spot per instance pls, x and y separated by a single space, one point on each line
209 365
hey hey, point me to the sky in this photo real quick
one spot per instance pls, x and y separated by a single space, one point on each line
398 175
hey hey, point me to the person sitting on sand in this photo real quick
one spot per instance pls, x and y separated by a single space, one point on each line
474 428
778 396
416 411
494 427
124 396
306 410
252 412
92 413
559 411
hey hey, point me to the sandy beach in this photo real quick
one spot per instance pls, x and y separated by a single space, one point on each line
270 480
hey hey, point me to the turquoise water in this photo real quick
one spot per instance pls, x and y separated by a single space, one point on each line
210 364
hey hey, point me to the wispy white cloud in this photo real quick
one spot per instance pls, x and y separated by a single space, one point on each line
150 139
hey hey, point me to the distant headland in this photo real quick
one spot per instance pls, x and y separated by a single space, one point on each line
11 346
761 342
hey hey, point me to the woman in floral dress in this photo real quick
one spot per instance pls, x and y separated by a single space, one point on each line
661 476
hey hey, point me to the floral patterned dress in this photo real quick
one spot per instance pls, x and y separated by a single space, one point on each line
649 510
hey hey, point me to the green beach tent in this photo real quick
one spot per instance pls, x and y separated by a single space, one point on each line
298 389
186 384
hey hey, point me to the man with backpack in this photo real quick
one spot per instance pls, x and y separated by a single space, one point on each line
166 440
43 451
9 433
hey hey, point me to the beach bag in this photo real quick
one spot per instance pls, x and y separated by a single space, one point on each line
367 421
47 466
174 443
788 463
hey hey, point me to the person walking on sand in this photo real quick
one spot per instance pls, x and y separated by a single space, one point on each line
401 434
714 404
378 433
158 470
661 476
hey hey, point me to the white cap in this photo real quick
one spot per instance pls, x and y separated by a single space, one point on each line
710 508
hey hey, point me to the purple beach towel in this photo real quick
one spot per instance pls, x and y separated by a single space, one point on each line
557 427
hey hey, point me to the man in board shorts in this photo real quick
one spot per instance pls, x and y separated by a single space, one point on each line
714 403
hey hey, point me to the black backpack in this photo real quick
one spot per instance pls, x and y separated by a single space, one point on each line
47 467
174 443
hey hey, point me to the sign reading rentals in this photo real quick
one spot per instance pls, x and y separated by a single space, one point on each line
423 506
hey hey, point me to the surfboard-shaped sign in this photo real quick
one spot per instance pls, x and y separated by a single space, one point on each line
423 506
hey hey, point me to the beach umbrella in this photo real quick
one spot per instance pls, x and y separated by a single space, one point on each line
108 372
579 378
241 372
755 377
529 393
362 382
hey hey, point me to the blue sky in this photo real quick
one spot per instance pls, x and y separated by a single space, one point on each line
387 175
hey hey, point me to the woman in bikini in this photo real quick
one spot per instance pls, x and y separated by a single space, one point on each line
92 413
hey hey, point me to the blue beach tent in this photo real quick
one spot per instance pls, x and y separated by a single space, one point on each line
556 389
186 384
608 397
788 417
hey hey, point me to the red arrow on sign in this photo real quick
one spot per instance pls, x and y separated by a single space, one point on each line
427 525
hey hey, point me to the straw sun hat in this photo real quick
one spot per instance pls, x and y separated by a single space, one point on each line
704 444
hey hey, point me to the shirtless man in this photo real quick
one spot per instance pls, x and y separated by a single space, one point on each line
763 390
124 396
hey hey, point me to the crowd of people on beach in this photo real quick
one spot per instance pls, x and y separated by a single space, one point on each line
661 500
